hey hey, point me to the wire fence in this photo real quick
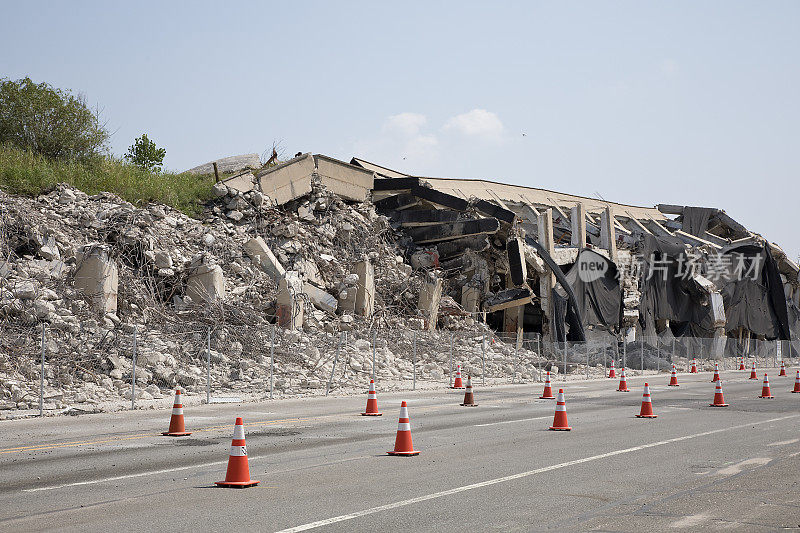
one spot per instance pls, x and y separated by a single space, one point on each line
52 370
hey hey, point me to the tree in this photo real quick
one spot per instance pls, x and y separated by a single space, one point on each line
145 154
49 121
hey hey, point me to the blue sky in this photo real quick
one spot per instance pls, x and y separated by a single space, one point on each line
638 102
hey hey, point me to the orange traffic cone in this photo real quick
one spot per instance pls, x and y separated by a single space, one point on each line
741 363
548 391
673 379
783 369
623 382
402 444
612 373
176 426
694 367
719 401
469 398
753 372
647 404
372 401
716 373
458 384
560 418
765 392
238 474
797 382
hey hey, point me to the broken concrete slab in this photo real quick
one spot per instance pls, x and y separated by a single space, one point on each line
348 181
206 283
264 258
456 247
439 198
244 182
445 232
397 202
97 277
233 163
288 181
424 217
506 298
470 298
492 210
319 298
395 184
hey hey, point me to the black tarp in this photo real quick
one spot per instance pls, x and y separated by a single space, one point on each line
598 296
755 302
666 293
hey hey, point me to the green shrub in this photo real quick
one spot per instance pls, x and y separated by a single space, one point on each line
145 154
49 121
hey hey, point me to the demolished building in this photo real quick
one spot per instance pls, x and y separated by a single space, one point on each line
522 259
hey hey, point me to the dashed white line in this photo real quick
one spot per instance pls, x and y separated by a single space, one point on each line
435 495
510 421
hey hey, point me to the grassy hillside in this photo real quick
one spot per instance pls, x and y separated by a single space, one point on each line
23 172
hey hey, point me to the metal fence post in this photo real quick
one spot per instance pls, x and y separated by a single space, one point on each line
450 373
539 345
642 356
514 364
133 373
624 352
272 362
208 364
587 360
483 359
41 378
672 356
374 342
335 358
565 358
414 362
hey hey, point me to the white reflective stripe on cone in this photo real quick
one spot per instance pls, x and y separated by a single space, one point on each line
177 410
560 398
372 396
561 407
404 426
238 451
404 412
238 432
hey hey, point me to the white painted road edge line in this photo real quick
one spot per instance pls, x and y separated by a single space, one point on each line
510 421
129 476
412 501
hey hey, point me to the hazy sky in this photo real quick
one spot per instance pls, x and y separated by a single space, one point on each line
638 102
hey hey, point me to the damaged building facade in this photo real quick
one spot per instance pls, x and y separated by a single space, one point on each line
530 261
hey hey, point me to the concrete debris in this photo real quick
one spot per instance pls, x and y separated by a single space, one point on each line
226 165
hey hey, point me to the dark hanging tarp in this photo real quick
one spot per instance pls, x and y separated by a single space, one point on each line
666 292
753 293
595 282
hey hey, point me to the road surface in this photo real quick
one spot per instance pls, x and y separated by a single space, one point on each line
496 467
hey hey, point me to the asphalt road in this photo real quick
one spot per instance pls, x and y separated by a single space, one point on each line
491 468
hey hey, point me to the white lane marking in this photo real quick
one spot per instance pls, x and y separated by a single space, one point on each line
690 521
783 442
510 421
128 476
419 499
735 469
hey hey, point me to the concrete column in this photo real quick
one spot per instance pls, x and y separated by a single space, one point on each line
365 295
546 280
608 238
578 221
429 298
